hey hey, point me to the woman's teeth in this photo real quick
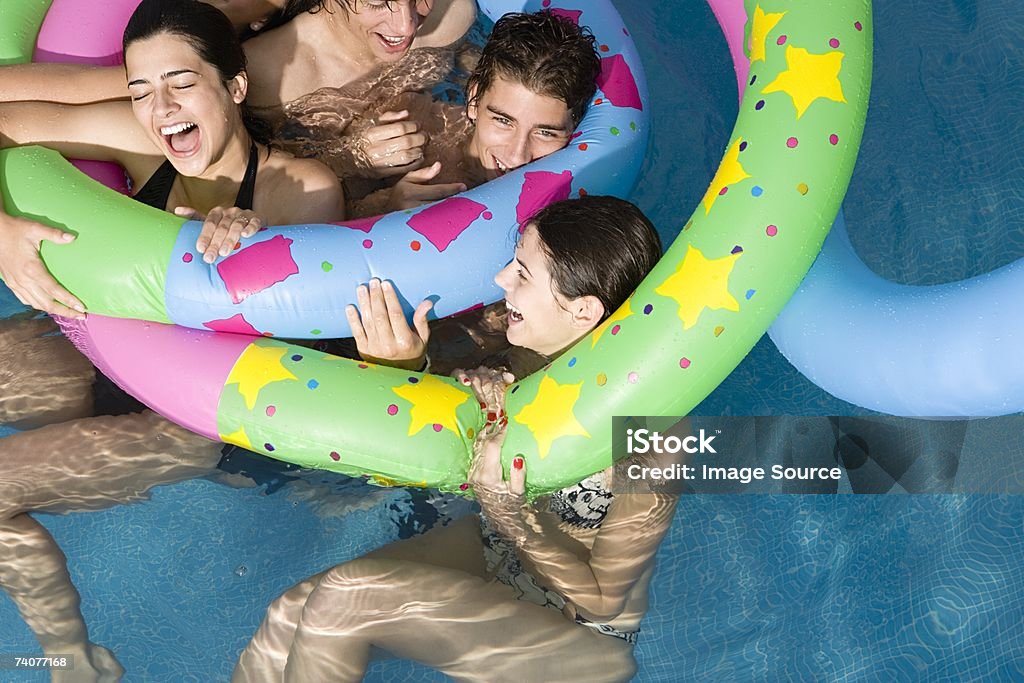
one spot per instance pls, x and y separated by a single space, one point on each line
502 169
393 41
514 313
177 128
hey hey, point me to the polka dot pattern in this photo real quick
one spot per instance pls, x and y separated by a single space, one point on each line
755 198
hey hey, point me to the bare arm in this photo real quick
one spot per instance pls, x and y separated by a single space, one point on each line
447 22
624 549
62 83
105 131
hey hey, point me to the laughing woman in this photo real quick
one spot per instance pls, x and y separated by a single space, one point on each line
187 145
549 591
186 141
301 47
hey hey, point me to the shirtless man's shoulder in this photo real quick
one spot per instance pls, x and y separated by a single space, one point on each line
281 65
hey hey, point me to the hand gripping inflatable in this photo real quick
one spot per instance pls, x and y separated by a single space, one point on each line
738 259
295 282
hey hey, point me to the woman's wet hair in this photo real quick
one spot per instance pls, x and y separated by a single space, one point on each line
546 53
208 32
597 246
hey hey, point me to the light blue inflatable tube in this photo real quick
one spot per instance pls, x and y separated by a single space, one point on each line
295 281
951 350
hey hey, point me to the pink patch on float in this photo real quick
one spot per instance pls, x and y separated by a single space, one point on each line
442 223
363 224
617 83
236 324
257 267
572 15
541 188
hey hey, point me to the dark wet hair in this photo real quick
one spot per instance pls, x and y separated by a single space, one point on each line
597 246
208 32
547 53
315 6
291 9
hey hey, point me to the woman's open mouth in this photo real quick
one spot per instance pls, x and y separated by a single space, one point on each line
514 314
182 139
395 44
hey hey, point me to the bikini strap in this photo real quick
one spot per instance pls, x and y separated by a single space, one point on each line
247 189
157 189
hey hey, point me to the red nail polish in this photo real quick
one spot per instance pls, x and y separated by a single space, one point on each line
491 417
518 463
483 406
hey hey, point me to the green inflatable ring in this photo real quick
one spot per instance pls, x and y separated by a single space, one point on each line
719 286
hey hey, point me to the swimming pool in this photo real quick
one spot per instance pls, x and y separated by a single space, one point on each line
766 588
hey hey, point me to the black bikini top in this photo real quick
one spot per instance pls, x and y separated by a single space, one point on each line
157 189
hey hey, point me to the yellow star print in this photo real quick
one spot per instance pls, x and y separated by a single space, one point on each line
549 416
381 480
729 172
239 438
433 402
700 283
618 316
762 26
257 367
809 77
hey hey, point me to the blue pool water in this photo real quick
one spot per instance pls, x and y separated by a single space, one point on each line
749 588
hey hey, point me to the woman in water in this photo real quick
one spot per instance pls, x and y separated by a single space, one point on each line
572 570
183 141
314 44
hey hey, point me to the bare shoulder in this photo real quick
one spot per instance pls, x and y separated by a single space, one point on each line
276 60
300 190
447 22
